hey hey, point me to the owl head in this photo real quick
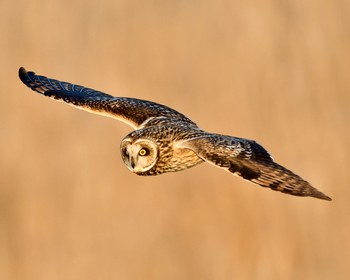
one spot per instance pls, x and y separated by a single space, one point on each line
139 155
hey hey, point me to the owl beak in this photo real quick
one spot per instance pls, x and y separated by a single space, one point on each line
132 162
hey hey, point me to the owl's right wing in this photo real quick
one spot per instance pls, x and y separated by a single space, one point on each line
135 112
252 162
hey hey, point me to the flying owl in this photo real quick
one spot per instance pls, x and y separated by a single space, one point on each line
165 140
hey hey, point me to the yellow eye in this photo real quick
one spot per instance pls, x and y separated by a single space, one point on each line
143 152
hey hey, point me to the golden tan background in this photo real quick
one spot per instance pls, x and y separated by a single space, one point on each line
274 71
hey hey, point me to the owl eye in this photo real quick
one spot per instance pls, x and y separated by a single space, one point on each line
143 152
125 152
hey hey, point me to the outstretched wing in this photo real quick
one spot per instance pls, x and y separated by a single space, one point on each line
135 112
252 162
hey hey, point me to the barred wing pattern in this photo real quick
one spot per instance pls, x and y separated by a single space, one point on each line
252 162
135 112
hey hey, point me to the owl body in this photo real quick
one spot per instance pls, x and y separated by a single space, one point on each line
165 140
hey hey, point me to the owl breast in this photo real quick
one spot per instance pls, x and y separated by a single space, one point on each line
182 159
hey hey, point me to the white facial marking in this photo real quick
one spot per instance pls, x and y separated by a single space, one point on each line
135 160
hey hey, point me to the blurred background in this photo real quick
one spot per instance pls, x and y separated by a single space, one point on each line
273 71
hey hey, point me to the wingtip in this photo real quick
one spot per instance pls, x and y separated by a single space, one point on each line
327 198
22 73
321 195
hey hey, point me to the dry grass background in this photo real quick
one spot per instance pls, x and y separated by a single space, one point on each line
274 71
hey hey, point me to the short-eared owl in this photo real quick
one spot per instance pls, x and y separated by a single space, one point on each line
165 140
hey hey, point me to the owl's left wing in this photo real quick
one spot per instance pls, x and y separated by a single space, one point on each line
135 112
252 162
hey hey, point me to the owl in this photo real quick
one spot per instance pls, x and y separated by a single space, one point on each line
165 140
